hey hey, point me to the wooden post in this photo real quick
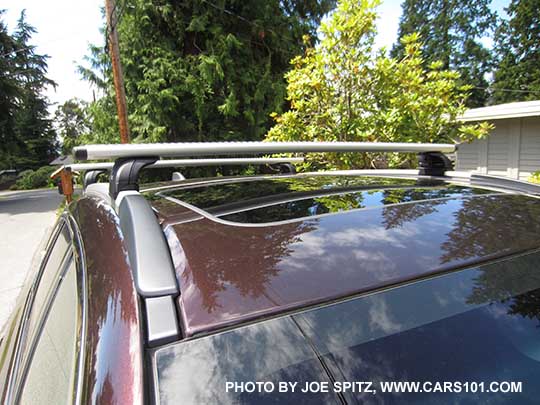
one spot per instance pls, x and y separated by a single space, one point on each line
112 20
66 181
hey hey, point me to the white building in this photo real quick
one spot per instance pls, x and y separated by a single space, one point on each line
512 149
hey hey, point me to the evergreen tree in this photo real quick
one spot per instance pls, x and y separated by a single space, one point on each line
203 69
451 31
9 91
518 44
33 128
28 139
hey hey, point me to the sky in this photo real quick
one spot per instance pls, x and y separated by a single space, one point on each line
65 28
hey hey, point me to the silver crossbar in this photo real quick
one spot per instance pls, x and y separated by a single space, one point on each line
190 163
114 151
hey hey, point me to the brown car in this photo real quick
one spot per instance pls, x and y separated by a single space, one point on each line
380 286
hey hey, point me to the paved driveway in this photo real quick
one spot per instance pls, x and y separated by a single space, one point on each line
26 218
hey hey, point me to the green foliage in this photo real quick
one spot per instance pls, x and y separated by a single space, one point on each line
27 139
72 124
201 70
341 90
518 44
534 178
31 179
451 33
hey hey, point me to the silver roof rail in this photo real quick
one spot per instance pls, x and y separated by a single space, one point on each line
98 152
190 163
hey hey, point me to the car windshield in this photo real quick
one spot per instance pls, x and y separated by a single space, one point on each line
475 325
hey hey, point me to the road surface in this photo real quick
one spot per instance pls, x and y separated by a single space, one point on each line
26 219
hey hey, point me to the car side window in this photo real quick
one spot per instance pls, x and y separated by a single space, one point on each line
47 281
51 368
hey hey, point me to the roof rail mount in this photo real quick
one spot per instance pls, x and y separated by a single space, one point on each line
281 168
125 174
286 168
91 177
433 164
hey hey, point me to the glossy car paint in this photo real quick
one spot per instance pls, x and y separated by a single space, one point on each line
111 370
231 272
113 367
476 324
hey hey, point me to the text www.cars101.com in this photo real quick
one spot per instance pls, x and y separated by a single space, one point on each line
372 388
452 387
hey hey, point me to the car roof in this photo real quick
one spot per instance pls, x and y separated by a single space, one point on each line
249 247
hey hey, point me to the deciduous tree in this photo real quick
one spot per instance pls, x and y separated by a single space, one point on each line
342 90
72 124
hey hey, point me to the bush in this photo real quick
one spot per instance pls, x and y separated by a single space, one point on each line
30 179
534 178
